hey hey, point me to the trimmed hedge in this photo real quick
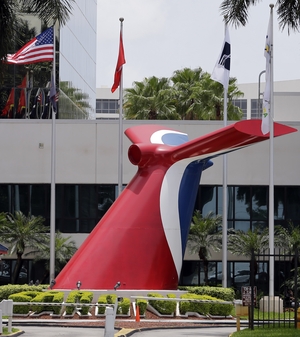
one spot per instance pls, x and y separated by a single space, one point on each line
48 297
123 306
9 289
24 296
225 294
163 307
142 304
204 308
78 296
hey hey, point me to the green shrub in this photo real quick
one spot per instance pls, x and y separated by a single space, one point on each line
225 294
201 308
123 305
58 297
218 309
205 308
77 296
163 307
48 297
86 297
25 296
142 306
9 289
101 308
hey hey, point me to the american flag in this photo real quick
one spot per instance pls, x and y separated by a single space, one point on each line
39 49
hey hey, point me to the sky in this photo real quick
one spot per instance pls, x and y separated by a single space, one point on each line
162 36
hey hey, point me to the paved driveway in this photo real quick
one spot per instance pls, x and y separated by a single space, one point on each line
47 331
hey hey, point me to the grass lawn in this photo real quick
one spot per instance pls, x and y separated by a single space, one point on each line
5 331
259 315
270 332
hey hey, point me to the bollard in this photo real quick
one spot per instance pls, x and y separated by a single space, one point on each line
109 322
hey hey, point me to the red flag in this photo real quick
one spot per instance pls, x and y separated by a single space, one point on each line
39 49
22 99
7 110
119 67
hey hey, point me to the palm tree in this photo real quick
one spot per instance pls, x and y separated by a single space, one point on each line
212 97
187 88
287 10
193 96
65 248
204 235
253 242
149 99
24 235
49 11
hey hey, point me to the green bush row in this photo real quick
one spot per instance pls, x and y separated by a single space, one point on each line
163 307
123 305
77 296
9 289
204 308
37 296
225 294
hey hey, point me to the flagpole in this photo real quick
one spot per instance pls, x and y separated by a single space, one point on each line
120 157
224 214
53 171
271 183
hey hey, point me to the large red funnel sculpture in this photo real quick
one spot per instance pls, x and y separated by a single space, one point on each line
141 240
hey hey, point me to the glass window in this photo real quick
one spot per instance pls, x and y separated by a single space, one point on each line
107 106
256 109
208 199
259 202
190 273
242 225
293 202
242 202
242 104
279 201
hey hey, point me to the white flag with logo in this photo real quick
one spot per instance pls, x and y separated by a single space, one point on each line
222 67
265 124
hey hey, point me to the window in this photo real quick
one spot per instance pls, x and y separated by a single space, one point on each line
107 106
242 104
256 109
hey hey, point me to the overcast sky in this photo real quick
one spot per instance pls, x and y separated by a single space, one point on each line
161 36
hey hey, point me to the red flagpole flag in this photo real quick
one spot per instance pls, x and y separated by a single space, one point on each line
119 67
7 110
22 99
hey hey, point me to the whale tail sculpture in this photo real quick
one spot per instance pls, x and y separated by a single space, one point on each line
141 239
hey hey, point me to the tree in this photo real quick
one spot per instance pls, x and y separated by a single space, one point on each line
49 11
204 235
193 96
150 99
287 10
65 248
24 235
187 89
254 242
212 98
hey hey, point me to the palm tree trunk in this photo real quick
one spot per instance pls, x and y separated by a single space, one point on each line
17 269
205 267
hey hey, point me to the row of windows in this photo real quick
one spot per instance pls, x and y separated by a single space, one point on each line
248 205
238 274
111 106
80 207
107 106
